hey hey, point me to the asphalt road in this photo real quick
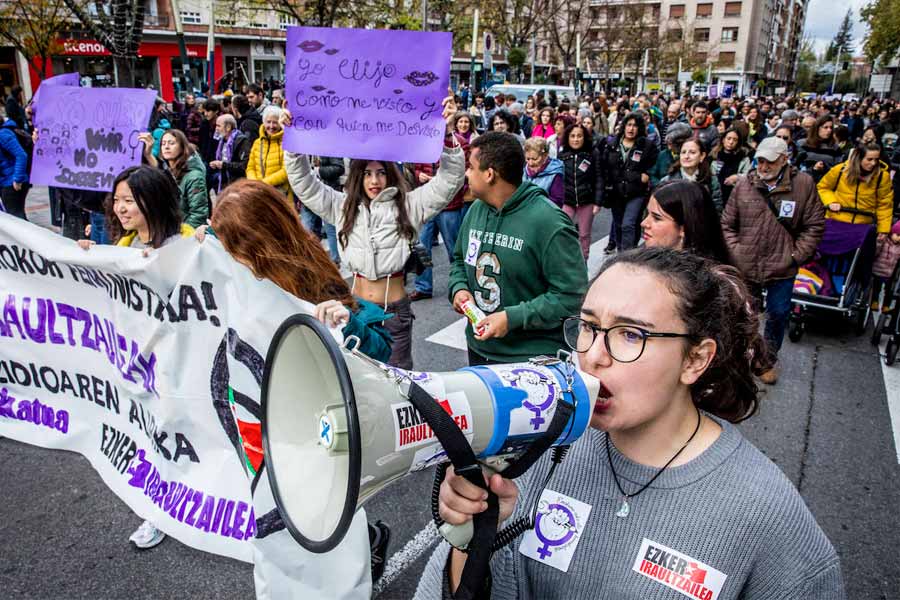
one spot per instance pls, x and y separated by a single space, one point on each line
827 424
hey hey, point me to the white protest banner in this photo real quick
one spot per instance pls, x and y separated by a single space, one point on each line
148 367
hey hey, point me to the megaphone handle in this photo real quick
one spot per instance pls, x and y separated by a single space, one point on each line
459 536
460 453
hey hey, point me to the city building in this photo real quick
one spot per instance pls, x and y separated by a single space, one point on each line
249 46
752 45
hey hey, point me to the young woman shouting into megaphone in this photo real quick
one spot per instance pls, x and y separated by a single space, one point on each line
663 496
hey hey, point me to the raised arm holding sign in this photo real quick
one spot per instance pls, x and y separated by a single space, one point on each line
376 96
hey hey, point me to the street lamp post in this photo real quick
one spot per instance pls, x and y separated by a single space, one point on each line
182 48
577 64
473 80
837 59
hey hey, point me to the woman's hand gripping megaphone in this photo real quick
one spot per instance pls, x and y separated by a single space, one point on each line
460 500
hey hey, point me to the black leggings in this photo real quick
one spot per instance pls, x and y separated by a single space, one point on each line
14 200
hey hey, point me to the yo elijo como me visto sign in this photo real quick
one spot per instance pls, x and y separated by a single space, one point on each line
366 93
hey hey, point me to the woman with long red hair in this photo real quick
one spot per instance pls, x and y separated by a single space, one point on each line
260 228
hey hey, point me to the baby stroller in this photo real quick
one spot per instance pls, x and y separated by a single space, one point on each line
888 320
839 276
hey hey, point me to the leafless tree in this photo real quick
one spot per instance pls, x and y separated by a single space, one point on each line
32 27
513 22
683 40
568 19
119 26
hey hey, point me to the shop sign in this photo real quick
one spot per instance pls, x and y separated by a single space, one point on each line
84 48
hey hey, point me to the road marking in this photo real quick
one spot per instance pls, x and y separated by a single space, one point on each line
454 335
892 390
400 561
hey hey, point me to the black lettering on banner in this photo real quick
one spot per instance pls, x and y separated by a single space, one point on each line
160 440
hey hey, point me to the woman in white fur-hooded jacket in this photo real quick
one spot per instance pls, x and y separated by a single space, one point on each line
377 218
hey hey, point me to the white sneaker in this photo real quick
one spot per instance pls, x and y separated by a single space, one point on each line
147 536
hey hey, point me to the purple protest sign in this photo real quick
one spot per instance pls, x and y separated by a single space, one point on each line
87 136
67 79
362 93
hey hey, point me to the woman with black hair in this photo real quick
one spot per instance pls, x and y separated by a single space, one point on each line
731 158
503 120
377 219
488 110
625 164
663 496
142 213
681 215
581 177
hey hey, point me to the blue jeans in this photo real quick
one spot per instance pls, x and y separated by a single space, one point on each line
626 216
98 228
447 222
778 312
315 224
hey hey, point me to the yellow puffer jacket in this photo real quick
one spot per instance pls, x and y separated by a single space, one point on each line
267 161
128 238
874 196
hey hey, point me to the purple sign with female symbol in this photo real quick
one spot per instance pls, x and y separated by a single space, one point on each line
364 93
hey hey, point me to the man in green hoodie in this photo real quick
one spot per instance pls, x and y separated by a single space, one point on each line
517 258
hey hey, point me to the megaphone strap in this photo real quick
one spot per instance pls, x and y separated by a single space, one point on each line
561 416
473 582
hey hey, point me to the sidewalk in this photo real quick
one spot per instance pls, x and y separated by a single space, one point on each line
37 207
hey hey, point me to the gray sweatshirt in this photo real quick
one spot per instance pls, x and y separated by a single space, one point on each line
726 525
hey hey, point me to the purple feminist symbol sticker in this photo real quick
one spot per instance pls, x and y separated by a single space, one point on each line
417 376
554 527
536 384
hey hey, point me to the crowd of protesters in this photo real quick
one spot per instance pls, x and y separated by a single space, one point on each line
746 183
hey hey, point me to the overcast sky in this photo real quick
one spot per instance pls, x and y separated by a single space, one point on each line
824 16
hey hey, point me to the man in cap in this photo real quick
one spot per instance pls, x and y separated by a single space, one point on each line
772 223
791 118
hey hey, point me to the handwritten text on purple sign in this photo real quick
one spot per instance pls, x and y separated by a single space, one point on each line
367 93
87 136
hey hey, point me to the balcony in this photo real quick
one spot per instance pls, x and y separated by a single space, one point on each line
161 21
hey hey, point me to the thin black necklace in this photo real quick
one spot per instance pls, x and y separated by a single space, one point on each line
625 509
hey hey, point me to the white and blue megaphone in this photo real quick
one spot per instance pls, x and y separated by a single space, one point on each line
338 426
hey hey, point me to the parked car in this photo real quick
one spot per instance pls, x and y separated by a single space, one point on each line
521 92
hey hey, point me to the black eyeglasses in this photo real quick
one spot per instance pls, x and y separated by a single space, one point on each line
625 343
